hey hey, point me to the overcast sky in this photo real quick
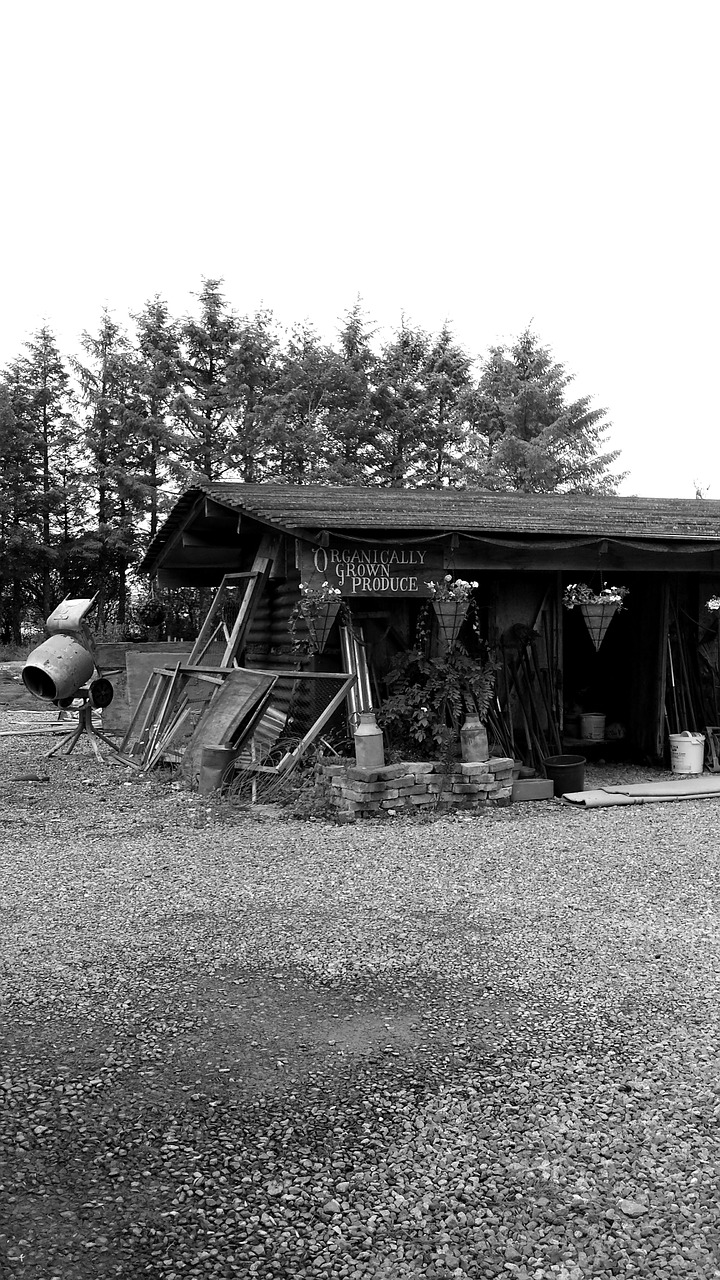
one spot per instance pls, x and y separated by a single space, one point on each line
494 164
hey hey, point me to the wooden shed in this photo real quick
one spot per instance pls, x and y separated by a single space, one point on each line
380 547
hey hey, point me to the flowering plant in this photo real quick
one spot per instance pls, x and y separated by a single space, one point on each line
580 593
713 604
448 590
310 597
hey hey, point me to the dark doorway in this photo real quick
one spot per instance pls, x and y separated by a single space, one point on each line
624 679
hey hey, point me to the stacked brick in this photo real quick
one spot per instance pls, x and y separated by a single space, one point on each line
369 793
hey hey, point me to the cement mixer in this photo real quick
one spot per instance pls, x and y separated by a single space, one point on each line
61 669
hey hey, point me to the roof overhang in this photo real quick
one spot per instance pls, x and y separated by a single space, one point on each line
214 529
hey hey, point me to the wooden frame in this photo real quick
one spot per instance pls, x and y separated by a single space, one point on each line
288 762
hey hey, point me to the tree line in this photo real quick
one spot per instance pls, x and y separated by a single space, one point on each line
94 448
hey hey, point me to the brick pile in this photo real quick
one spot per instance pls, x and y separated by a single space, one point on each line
370 793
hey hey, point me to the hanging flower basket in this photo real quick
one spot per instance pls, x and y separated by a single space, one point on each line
315 611
319 623
598 608
450 600
597 620
450 615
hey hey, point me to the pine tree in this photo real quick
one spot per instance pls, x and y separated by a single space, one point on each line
295 407
252 370
349 420
109 382
157 373
400 408
21 549
447 377
525 433
53 431
210 386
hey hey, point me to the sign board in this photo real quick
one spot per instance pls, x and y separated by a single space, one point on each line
372 570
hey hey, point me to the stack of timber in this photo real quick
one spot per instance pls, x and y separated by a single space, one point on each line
525 719
692 691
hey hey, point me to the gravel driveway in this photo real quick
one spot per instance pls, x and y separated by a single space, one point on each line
475 1047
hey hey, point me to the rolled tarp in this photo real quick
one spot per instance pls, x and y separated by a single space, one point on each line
703 788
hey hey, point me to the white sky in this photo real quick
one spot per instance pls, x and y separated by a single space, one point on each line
496 164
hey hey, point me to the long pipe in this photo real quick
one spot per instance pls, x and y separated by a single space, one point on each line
354 662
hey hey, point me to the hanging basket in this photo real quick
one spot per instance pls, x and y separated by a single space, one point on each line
450 615
320 623
597 620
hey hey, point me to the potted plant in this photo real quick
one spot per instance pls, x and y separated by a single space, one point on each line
316 611
597 607
450 600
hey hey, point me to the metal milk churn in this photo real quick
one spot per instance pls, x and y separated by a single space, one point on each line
369 748
473 740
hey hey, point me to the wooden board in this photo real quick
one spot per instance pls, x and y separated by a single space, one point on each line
137 663
223 719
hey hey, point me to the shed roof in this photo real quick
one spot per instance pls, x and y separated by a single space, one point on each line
299 509
340 507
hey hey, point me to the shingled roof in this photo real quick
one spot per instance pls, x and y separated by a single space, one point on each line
308 509
297 507
340 507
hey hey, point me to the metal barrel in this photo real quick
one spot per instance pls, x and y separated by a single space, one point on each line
57 668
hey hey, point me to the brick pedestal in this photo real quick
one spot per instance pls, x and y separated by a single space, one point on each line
369 793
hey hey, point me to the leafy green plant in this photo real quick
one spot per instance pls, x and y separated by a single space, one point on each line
151 612
430 696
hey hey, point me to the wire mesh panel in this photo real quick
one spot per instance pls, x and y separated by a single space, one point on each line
298 702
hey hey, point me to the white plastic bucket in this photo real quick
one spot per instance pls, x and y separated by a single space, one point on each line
592 726
687 752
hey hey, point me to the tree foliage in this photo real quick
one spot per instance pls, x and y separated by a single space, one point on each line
94 448
526 434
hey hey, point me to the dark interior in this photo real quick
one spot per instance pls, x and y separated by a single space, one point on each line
39 683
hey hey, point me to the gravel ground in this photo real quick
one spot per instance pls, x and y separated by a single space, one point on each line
233 1046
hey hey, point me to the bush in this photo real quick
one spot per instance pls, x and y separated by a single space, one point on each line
432 696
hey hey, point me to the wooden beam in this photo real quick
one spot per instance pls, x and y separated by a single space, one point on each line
217 510
209 540
585 560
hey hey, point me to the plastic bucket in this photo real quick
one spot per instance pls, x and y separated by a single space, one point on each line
567 773
592 726
215 764
687 752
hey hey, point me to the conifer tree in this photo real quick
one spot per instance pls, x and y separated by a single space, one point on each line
53 435
526 434
158 375
20 513
109 388
400 408
446 375
295 407
210 386
349 419
252 371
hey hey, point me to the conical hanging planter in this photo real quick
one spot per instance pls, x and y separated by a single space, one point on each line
597 619
450 615
319 623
